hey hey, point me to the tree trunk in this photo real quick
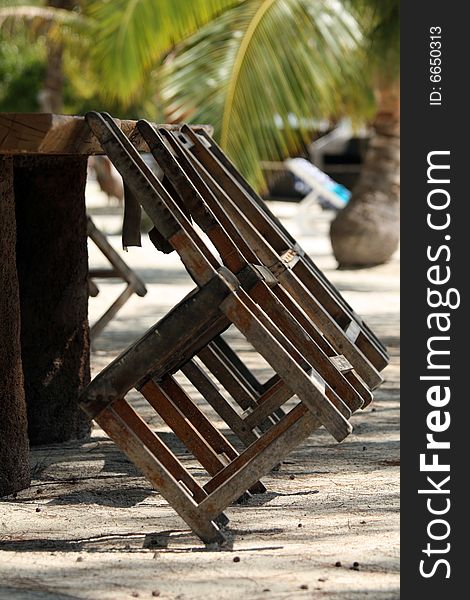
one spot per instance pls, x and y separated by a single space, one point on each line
14 449
50 97
52 266
366 231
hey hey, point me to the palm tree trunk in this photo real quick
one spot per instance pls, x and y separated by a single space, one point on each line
366 231
50 97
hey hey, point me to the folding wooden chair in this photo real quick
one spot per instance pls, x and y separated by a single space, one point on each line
119 270
275 234
275 303
189 329
235 174
254 279
296 297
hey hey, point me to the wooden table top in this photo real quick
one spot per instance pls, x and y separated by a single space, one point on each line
46 133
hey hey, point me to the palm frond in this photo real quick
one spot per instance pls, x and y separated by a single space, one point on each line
263 71
43 20
381 27
385 37
131 35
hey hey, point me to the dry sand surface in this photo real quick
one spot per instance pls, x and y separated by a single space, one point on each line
90 527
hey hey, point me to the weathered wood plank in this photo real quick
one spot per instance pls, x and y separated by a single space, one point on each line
278 229
260 457
153 355
193 439
266 230
120 267
213 397
120 270
158 448
195 429
45 133
269 402
236 308
237 363
306 346
262 462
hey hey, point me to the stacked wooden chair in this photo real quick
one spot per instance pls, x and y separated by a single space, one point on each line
293 256
118 269
245 267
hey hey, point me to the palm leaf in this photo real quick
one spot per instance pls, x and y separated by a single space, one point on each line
131 36
262 71
39 20
381 26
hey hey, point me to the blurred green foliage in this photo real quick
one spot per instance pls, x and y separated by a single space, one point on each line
22 71
262 72
22 68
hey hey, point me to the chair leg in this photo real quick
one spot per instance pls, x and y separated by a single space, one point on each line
237 363
268 451
306 346
191 426
111 312
124 426
333 333
120 270
364 340
256 391
277 231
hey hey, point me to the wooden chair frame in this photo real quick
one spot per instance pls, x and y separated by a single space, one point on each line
279 244
201 264
149 365
294 296
344 307
231 256
119 270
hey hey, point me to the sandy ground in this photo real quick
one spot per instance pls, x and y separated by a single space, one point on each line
90 527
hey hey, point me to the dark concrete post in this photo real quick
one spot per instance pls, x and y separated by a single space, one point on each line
52 262
14 450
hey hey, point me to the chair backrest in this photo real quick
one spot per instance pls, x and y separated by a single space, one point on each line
202 140
234 213
238 256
